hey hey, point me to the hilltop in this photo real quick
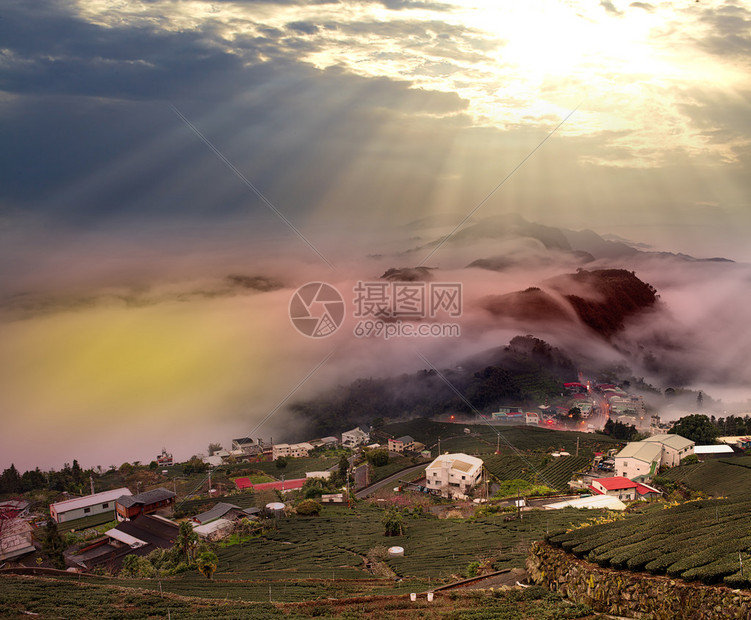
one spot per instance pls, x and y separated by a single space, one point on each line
601 299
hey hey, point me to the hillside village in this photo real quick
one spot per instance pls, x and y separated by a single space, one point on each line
166 519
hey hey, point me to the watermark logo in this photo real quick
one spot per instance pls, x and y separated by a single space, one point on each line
316 310
382 309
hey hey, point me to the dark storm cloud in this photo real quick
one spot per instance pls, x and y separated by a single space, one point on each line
89 135
49 52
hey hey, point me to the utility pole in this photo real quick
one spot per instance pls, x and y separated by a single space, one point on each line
577 446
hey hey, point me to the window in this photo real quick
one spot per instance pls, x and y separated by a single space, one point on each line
86 511
105 505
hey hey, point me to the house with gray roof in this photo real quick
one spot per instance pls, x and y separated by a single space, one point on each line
223 510
159 500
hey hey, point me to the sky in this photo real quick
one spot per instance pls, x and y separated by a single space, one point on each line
150 149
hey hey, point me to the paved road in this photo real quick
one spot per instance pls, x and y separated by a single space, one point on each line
388 481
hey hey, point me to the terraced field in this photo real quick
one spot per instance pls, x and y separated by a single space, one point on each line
484 439
705 540
63 599
336 542
726 477
556 473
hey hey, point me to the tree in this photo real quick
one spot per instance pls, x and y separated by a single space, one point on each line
136 566
53 545
186 541
308 507
619 430
340 477
77 473
379 458
207 563
280 462
696 427
195 465
393 523
10 481
214 448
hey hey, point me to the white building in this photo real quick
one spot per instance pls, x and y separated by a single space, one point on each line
355 437
298 450
644 458
88 505
532 418
452 473
674 448
404 443
293 450
637 459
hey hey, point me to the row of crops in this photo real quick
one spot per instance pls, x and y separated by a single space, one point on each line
726 477
20 597
705 540
335 543
484 438
554 473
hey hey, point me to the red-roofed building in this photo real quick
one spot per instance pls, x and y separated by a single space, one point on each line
617 486
644 491
281 485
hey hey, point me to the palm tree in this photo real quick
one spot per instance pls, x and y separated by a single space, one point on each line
186 540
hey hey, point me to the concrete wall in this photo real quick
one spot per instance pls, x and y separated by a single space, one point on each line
633 595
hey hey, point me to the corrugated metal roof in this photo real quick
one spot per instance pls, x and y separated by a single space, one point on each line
641 451
221 509
209 528
127 539
155 531
676 442
89 500
147 497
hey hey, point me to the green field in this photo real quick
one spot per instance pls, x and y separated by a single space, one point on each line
704 540
71 598
315 566
395 464
483 439
335 543
715 477
295 468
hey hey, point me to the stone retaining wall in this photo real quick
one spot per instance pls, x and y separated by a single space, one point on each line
632 594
